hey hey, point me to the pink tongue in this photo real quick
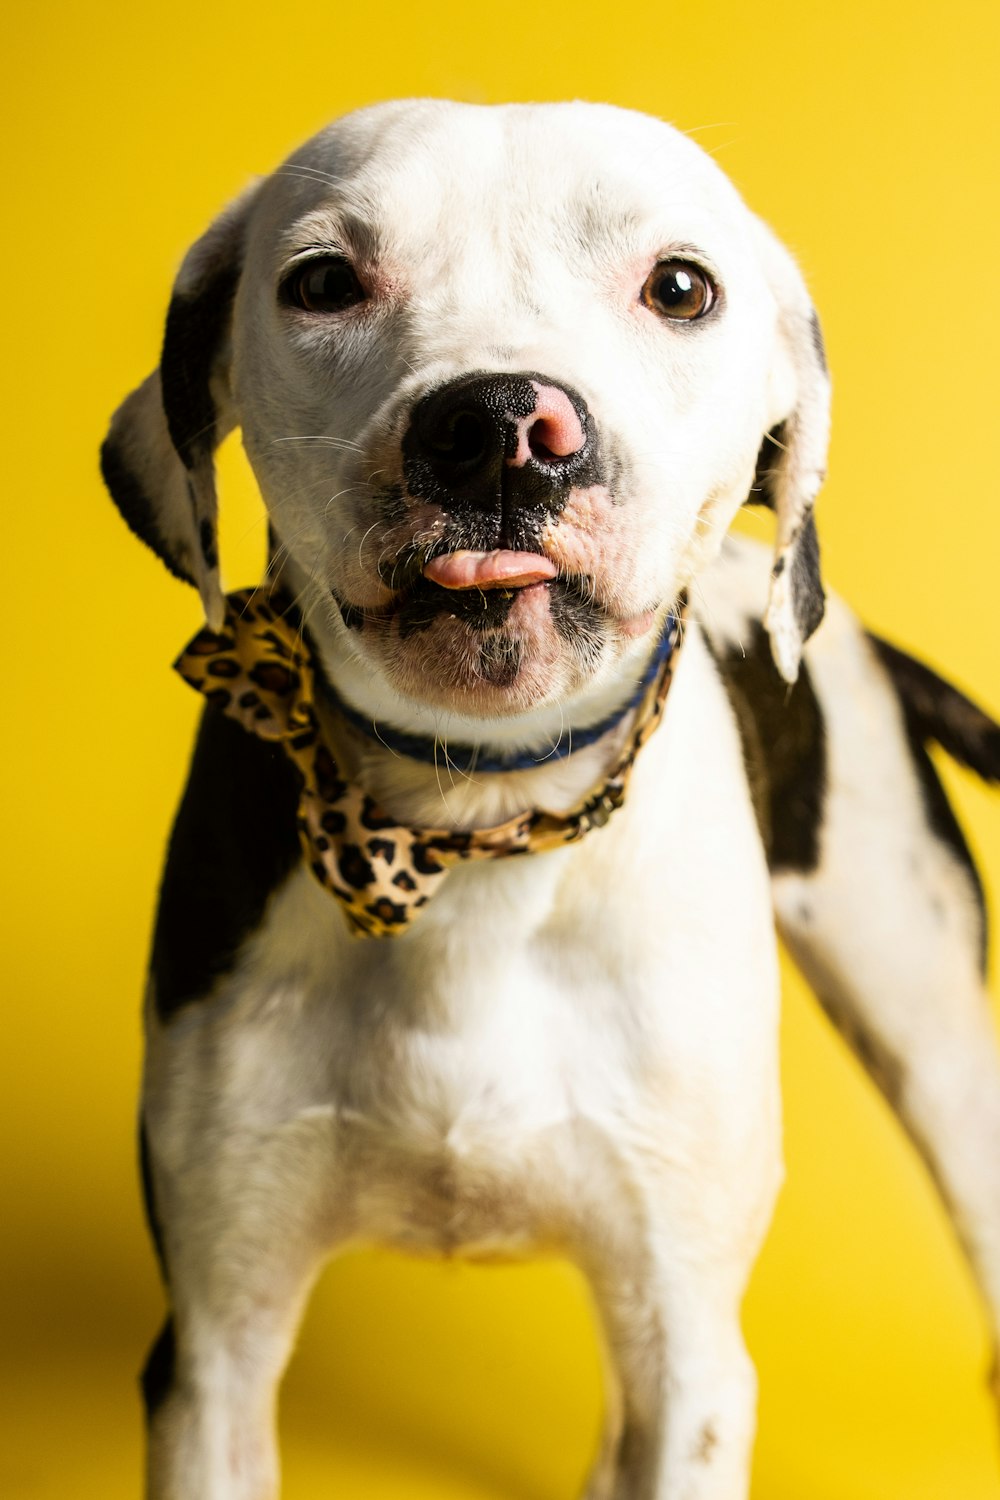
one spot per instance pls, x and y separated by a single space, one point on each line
489 570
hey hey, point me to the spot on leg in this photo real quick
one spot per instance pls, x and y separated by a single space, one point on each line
706 1443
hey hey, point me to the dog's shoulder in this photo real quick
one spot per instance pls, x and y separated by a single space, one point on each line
782 728
860 715
234 841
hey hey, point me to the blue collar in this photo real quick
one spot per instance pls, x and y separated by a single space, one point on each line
466 759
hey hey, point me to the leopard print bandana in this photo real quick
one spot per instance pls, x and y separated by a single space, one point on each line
258 670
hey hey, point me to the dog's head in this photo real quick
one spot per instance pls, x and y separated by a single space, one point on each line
504 376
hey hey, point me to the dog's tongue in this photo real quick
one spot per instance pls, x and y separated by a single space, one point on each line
489 570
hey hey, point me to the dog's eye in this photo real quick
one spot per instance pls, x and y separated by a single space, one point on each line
678 289
327 285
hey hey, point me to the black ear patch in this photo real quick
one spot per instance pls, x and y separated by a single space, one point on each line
197 324
209 547
766 472
819 346
137 508
808 599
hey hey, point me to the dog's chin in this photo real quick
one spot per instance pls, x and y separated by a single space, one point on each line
495 653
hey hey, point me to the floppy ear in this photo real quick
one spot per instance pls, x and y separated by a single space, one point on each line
792 462
158 457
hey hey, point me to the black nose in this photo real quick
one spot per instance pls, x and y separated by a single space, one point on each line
507 441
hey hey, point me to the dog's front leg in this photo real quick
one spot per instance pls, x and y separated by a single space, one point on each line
244 1232
686 1394
681 1412
668 1266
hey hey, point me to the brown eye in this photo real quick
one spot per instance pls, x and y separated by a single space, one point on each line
325 285
678 289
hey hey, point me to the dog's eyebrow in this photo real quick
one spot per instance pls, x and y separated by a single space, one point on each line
686 250
596 216
329 229
595 219
314 248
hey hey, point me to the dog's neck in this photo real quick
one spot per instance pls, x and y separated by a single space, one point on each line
425 795
465 759
433 792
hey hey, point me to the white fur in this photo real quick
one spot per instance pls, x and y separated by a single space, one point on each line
576 1050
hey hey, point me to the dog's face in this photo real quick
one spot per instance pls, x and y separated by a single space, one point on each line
503 376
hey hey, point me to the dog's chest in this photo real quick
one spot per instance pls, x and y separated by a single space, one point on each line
445 1081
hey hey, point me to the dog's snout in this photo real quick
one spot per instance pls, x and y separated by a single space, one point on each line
481 438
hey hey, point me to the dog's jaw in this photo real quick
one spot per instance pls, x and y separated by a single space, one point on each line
496 653
491 654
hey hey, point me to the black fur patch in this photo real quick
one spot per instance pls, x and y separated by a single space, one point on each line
575 615
499 659
479 609
234 842
934 710
136 507
784 745
940 712
808 599
197 324
158 1372
209 550
392 504
762 489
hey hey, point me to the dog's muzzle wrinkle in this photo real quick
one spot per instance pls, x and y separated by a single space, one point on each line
508 448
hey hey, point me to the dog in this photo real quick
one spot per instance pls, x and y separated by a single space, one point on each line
465 940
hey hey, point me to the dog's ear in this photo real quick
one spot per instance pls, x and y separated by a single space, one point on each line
792 463
158 457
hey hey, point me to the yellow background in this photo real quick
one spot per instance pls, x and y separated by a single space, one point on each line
867 134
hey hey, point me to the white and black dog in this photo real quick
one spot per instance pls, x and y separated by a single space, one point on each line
505 376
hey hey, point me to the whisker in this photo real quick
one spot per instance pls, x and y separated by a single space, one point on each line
362 542
349 489
310 174
323 438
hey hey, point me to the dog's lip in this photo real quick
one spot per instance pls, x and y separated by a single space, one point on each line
498 569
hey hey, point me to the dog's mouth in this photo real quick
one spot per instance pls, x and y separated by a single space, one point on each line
491 629
481 590
483 628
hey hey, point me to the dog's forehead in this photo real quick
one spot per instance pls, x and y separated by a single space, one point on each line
407 174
